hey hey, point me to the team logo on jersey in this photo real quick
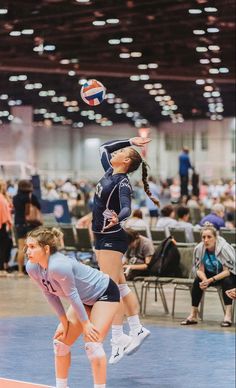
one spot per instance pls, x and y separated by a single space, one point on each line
99 190
108 245
125 184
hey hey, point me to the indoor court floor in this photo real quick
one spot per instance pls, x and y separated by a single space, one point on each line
199 356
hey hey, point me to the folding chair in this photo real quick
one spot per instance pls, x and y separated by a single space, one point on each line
84 241
178 234
229 235
197 235
70 243
158 235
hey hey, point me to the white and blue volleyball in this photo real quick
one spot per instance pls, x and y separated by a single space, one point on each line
93 92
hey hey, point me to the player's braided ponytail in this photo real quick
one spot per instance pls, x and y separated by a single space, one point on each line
146 185
136 160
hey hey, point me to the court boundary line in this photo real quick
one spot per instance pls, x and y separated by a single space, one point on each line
27 382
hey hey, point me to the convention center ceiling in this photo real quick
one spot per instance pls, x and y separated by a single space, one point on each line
159 60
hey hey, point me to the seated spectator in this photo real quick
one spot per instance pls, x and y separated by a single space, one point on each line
167 219
138 254
193 202
175 193
80 209
183 218
231 293
136 222
214 262
216 217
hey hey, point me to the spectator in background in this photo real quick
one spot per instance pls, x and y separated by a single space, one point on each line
80 208
195 183
214 263
5 226
183 218
184 166
24 196
175 192
51 193
167 219
138 255
216 217
152 207
136 222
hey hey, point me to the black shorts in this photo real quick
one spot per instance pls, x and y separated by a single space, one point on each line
117 241
112 293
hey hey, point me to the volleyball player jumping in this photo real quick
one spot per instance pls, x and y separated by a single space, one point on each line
112 204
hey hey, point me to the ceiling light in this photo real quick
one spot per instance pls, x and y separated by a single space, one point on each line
134 78
13 78
209 80
158 85
124 55
216 94
144 77
82 1
15 33
114 41
200 81
3 96
112 21
198 32
148 86
204 61
206 94
213 71
71 73
50 47
153 92
215 60
136 54
29 86
208 88
142 66
22 77
214 47
28 31
223 70
3 11
210 9
82 81
212 30
152 65
99 22
201 49
194 11
126 40
64 61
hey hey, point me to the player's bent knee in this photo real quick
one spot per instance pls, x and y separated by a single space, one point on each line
60 349
94 350
124 290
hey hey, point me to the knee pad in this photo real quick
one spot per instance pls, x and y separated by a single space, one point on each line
60 349
94 350
124 290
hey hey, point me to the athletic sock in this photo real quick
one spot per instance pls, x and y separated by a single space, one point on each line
134 323
99 385
61 383
116 332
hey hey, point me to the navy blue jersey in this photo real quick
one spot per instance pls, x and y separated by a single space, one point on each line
113 191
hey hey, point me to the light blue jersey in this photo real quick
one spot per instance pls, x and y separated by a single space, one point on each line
66 277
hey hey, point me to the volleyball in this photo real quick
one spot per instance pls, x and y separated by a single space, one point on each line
93 92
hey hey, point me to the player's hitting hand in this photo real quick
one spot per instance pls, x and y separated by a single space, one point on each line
140 141
113 220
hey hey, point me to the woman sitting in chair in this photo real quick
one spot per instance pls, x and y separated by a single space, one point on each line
214 262
138 255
